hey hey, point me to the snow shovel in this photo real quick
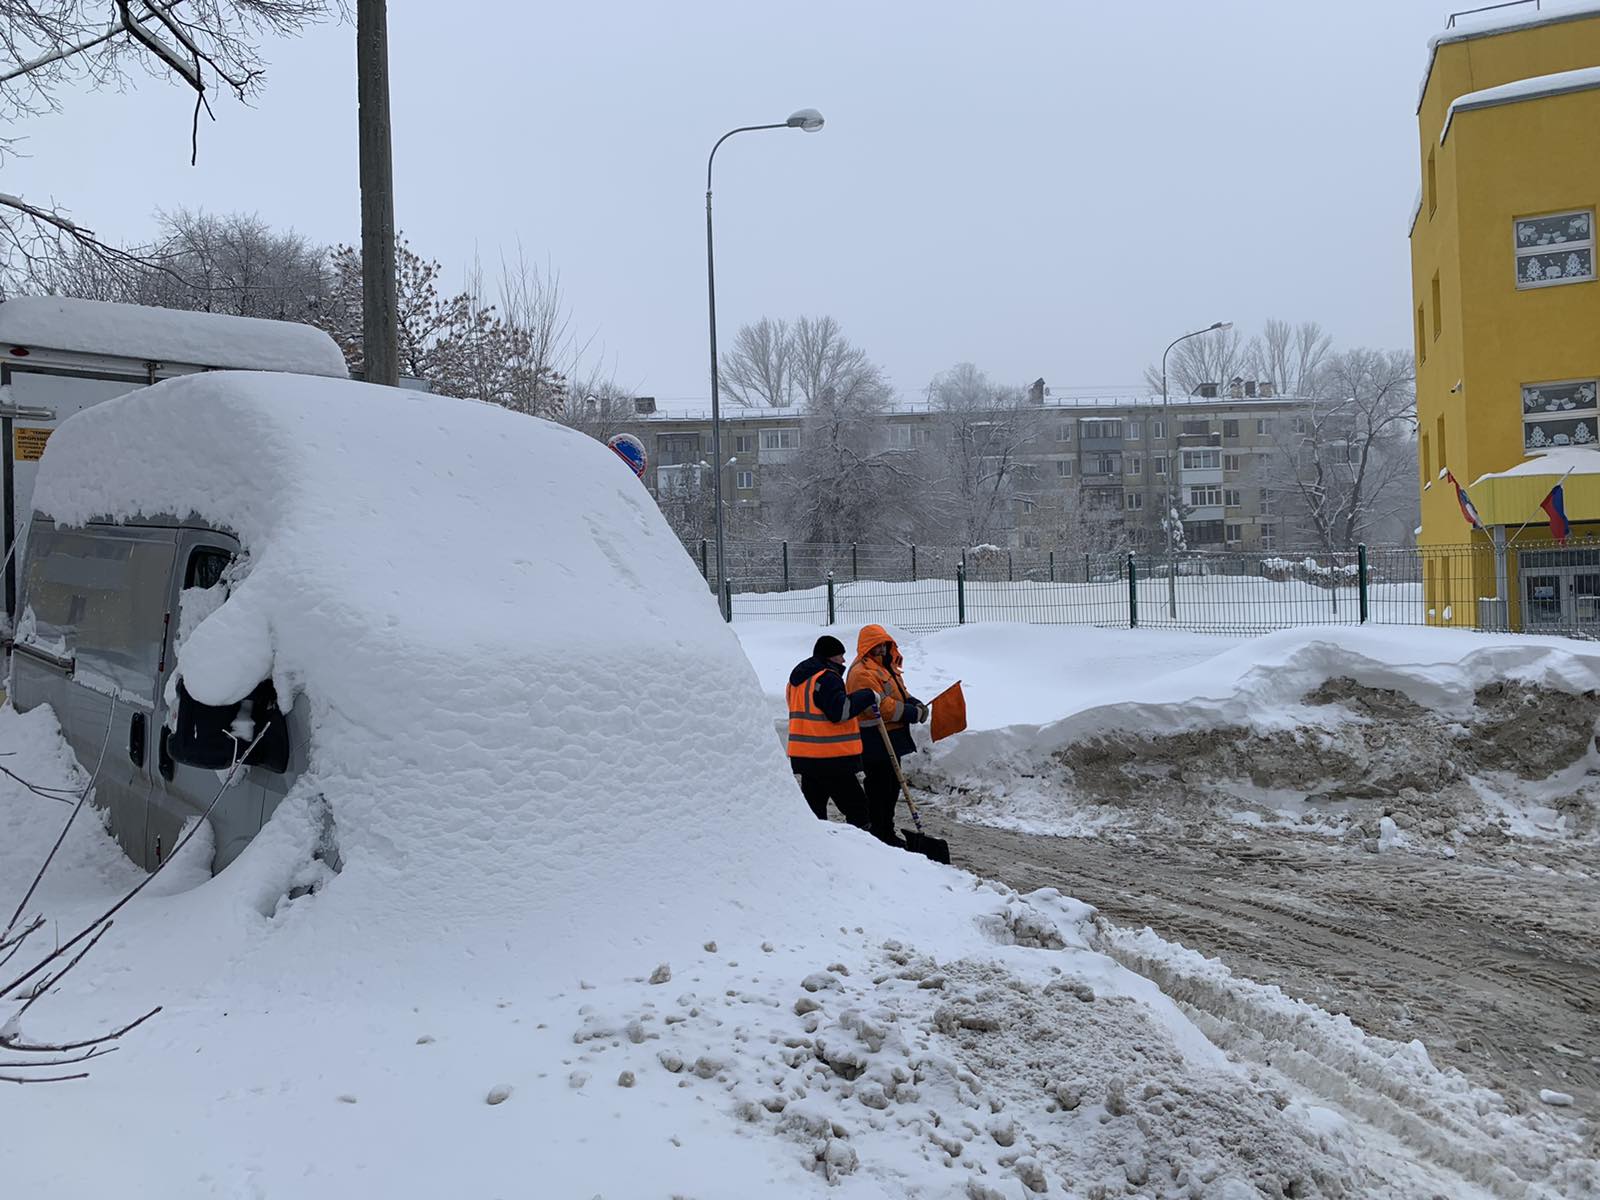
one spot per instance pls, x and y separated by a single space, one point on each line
916 841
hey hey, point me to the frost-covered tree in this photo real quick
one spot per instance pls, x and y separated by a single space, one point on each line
1345 467
843 484
976 469
51 46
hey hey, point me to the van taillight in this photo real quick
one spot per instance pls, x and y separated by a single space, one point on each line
20 351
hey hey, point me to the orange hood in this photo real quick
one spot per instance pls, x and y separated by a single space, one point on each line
873 636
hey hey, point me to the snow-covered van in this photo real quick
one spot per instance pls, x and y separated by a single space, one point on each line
60 355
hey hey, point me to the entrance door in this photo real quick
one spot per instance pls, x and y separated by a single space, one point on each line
1541 600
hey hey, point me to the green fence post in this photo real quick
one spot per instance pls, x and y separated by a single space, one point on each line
830 598
913 562
1133 592
1361 579
786 566
961 592
1009 573
1052 566
1086 575
704 570
855 572
727 600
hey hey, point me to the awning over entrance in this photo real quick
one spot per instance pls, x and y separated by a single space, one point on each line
1513 497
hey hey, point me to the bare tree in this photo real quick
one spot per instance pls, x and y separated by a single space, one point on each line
1214 357
203 45
759 371
978 468
543 351
1348 462
1289 356
843 484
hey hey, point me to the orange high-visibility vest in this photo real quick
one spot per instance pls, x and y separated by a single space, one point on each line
812 735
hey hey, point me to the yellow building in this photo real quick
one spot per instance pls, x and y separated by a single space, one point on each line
1507 316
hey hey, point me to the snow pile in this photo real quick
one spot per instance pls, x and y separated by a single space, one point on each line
168 336
1444 733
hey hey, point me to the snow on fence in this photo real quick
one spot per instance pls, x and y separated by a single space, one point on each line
926 588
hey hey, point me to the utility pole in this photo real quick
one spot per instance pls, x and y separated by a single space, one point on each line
379 322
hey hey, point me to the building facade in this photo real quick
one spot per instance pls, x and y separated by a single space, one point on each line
1089 475
1506 312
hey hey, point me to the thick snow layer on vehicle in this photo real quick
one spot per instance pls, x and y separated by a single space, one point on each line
166 335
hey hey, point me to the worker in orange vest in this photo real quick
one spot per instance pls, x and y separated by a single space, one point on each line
877 668
824 735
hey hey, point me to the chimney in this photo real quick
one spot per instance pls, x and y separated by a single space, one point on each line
1236 388
1207 391
1036 392
644 406
1264 389
1250 389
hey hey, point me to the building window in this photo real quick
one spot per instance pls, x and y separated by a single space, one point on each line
1103 464
1261 427
1158 430
1560 414
1438 315
1422 342
1064 468
1230 497
1135 465
1233 533
1101 429
1202 533
1266 500
1205 497
1027 506
1433 187
1269 537
1299 424
900 436
743 443
1202 460
746 480
1064 431
1439 444
1555 249
1230 428
1030 539
1230 462
1135 432
1426 460
780 439
1133 501
1195 428
1158 464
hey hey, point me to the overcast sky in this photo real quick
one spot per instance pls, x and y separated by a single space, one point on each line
1042 188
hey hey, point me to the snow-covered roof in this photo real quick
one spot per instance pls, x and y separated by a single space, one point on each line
165 335
1537 87
1528 17
1569 461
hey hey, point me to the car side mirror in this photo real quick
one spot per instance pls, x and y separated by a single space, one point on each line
212 736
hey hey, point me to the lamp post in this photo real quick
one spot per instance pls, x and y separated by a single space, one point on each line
808 120
1169 517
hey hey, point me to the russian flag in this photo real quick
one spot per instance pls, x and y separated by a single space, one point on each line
1467 508
1555 507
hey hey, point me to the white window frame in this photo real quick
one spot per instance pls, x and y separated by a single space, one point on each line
1134 432
785 438
1590 410
1133 464
1238 533
1205 495
1063 468
744 443
1198 460
1230 462
1064 431
1158 431
899 436
1158 464
1521 252
1133 501
1236 502
744 480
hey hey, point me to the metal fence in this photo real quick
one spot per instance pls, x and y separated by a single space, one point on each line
922 588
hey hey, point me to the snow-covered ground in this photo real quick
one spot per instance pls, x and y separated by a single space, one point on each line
586 940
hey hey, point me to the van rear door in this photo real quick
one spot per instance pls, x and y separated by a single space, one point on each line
90 643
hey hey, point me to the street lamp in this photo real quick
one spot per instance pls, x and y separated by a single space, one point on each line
808 120
1166 418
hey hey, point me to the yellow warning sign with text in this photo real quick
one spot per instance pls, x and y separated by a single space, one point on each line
29 444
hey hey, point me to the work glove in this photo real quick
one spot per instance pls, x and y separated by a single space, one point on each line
919 711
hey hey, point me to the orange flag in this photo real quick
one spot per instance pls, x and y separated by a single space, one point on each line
949 711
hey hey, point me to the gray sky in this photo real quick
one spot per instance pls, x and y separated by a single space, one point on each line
1052 189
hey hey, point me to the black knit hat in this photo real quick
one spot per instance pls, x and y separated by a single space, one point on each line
828 647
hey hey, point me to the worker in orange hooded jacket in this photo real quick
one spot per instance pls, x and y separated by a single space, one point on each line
877 667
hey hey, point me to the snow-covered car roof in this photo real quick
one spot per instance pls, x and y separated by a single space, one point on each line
165 335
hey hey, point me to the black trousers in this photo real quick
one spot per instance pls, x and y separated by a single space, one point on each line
883 794
821 782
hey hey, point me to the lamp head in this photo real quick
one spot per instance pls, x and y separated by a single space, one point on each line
808 119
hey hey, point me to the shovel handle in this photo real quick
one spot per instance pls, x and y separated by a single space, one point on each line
894 759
